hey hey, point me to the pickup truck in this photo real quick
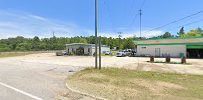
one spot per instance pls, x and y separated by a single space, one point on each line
123 53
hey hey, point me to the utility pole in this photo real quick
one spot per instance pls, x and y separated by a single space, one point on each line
96 26
53 34
140 24
119 36
53 40
100 52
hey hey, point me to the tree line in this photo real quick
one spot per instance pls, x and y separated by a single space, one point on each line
20 43
192 33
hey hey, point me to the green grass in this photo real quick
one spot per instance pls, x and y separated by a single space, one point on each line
14 54
113 83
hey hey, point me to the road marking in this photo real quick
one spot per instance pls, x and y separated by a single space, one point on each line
20 91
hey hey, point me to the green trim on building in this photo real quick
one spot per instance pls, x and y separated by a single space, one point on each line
194 46
197 43
171 38
190 45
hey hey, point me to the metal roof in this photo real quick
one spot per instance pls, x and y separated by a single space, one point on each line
81 44
84 44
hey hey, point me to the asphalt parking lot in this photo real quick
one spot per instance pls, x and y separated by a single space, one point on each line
194 66
21 80
42 76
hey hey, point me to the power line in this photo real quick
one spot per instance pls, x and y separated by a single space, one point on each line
175 21
137 14
134 18
132 13
132 6
143 3
140 12
191 23
110 18
188 24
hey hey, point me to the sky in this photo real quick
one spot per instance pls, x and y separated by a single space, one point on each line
68 18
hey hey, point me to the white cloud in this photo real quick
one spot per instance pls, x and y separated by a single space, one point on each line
14 24
131 34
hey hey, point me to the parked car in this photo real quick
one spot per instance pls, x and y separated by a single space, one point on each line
59 53
127 52
123 53
120 54
65 53
107 53
133 53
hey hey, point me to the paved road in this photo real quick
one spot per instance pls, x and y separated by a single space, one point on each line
20 80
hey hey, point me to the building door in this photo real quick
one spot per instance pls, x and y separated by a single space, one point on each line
80 51
157 52
195 53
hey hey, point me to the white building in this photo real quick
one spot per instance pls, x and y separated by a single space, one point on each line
84 49
174 47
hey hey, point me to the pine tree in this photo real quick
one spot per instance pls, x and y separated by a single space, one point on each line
181 32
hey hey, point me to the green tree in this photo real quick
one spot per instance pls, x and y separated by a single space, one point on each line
24 47
192 33
91 40
43 46
200 31
128 44
181 32
4 47
83 40
35 43
167 35
110 42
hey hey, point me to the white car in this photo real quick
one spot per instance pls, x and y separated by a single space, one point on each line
124 53
120 54
107 53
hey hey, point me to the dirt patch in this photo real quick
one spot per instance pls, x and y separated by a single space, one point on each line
169 85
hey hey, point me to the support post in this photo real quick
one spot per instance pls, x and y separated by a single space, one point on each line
183 60
168 59
152 59
100 52
96 18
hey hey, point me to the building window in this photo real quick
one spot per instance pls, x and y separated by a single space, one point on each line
72 50
143 47
68 50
